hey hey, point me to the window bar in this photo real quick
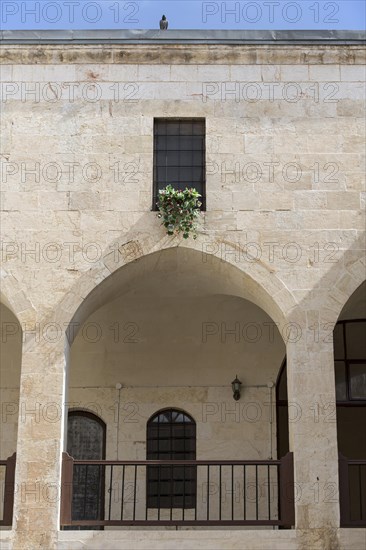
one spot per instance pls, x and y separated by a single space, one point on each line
171 487
195 506
279 489
220 492
123 490
110 493
85 488
159 467
268 492
256 491
134 493
244 494
147 491
360 490
184 488
208 492
232 492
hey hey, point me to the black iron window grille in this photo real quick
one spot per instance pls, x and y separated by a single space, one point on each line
180 155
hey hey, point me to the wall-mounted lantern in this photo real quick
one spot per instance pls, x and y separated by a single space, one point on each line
236 385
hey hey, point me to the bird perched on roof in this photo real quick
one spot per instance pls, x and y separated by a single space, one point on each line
164 23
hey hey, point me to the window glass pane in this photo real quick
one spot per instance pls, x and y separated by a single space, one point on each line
197 143
186 128
356 340
357 372
197 158
186 174
199 128
172 175
340 380
84 437
160 128
172 158
197 174
186 158
338 341
173 143
172 128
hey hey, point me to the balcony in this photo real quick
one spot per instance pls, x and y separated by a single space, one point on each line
105 493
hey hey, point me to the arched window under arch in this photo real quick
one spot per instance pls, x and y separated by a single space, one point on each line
171 435
86 440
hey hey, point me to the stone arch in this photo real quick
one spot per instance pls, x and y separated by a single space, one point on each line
14 298
265 288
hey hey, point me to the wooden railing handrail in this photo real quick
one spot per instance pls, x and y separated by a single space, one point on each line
177 462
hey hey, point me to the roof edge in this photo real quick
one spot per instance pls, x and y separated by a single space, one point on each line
229 37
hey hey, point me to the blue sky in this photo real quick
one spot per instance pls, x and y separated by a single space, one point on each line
183 14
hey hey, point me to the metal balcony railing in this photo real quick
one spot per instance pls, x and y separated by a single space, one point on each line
100 493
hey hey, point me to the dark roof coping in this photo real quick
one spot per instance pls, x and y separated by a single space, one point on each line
229 37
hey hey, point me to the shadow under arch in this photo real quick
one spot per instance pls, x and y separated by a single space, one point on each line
251 281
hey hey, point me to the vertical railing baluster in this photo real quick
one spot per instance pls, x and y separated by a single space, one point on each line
256 492
232 492
123 490
244 493
208 492
110 493
268 491
195 505
134 493
147 496
220 492
99 504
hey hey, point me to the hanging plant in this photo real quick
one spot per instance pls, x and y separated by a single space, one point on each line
179 210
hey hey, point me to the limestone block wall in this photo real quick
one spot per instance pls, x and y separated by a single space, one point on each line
285 199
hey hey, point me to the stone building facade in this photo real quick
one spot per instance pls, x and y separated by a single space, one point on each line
104 313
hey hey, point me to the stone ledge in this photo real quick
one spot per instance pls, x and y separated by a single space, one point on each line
255 54
153 539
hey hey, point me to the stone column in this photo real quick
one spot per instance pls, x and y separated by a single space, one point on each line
40 434
313 431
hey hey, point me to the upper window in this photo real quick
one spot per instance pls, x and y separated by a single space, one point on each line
179 155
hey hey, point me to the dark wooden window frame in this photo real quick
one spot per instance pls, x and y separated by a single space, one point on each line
158 184
170 499
349 401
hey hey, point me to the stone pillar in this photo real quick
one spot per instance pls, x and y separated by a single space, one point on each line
313 432
40 433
